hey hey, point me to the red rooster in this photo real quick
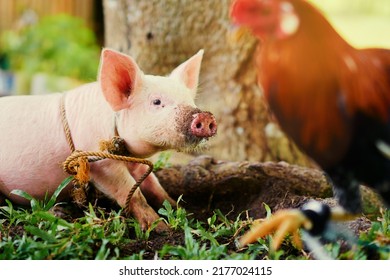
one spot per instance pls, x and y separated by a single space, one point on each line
332 99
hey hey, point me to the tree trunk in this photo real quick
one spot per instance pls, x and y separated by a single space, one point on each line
160 34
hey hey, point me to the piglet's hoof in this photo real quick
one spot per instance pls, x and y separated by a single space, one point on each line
144 214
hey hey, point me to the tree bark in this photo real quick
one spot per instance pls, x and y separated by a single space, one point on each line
160 34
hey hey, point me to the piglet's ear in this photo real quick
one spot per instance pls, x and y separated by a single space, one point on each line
188 71
119 77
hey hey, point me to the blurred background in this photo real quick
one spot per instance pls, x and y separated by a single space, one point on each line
49 46
54 45
364 23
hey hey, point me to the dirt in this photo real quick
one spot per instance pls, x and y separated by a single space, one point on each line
206 184
232 187
155 242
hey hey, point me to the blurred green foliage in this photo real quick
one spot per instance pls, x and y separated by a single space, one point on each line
61 45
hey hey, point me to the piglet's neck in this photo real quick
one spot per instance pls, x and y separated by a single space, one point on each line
89 116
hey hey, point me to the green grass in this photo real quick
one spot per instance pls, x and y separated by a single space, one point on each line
36 233
40 235
162 161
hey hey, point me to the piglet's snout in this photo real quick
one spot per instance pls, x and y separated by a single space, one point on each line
203 125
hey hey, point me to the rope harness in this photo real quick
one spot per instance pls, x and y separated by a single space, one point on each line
77 164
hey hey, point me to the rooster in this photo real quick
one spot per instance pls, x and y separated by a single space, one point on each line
332 99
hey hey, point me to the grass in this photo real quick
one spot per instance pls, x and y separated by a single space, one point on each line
40 235
36 233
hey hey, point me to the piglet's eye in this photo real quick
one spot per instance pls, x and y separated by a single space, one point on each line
156 102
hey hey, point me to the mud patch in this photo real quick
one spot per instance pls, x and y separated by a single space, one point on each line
155 243
233 187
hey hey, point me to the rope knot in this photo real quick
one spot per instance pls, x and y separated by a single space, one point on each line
82 171
115 146
78 166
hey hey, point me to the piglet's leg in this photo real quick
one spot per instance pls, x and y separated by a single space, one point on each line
151 188
114 180
144 214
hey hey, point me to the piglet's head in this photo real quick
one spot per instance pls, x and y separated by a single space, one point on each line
155 113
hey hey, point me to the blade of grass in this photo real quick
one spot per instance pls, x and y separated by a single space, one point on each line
40 233
56 193
22 194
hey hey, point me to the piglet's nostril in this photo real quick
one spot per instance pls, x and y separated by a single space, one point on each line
199 125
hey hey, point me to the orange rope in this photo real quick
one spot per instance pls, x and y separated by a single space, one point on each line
65 124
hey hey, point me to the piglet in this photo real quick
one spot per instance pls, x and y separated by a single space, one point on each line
151 113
